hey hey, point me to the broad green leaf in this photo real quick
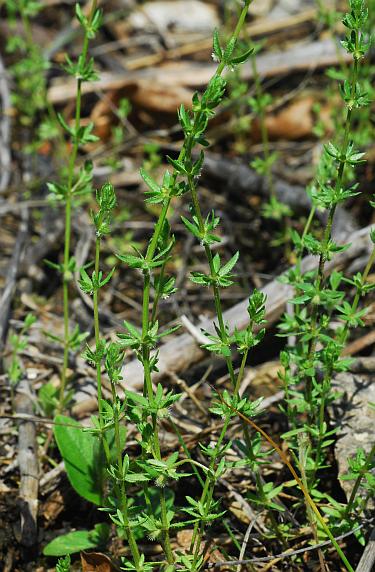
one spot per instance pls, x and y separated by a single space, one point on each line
82 458
76 541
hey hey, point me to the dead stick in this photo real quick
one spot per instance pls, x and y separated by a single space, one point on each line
10 284
297 59
366 564
181 352
29 467
5 126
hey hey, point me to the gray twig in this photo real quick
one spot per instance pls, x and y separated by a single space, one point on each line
5 156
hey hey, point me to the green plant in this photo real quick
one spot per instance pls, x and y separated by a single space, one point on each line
181 181
78 540
29 97
147 411
110 414
139 498
316 356
250 109
152 157
76 184
18 342
119 131
63 564
83 458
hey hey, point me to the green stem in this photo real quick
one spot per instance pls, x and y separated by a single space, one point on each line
320 280
319 285
300 484
236 33
241 372
97 348
349 506
325 388
207 494
68 215
158 228
148 390
66 280
263 126
369 265
97 328
123 497
148 381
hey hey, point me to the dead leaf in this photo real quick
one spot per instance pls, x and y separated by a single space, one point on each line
237 509
96 562
53 506
160 97
184 538
293 122
263 380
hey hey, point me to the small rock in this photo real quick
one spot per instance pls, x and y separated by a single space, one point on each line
356 418
285 8
260 8
182 15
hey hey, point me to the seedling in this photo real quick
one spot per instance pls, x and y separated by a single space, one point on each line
18 342
316 356
76 184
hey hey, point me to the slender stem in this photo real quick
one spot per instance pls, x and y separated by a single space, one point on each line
68 214
235 383
319 285
66 280
158 294
157 452
158 228
309 512
207 492
241 372
146 318
103 439
349 506
320 280
306 229
263 126
369 265
123 497
147 377
97 327
284 456
236 33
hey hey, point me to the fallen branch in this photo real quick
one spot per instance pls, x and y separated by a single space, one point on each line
181 352
28 466
11 279
367 561
299 58
5 126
